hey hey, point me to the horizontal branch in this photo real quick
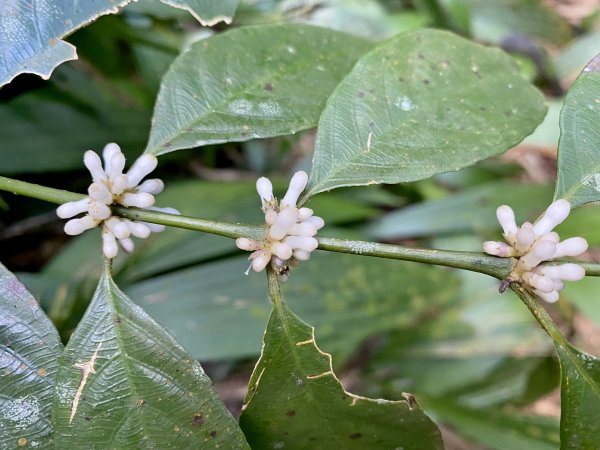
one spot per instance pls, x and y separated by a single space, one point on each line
476 262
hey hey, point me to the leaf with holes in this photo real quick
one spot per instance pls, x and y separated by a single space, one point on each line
419 104
124 382
295 401
29 352
580 398
579 146
249 83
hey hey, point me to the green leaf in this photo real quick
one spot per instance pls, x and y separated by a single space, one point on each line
31 33
248 83
419 104
220 314
498 429
500 20
29 352
472 210
580 398
207 12
295 401
145 390
579 146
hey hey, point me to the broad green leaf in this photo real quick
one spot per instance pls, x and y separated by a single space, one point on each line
248 83
462 341
580 399
472 210
579 146
51 127
145 390
207 12
31 33
500 21
421 103
219 313
29 352
498 429
295 400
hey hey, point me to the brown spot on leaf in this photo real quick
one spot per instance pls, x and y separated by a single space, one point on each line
269 87
355 435
290 413
198 420
213 434
41 372
22 442
167 145
426 82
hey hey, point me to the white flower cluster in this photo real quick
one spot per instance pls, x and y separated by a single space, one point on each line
110 186
535 243
290 230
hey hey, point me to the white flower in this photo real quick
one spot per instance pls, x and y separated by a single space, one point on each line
110 186
289 237
535 243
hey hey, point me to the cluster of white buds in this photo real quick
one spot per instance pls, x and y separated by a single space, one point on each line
535 243
110 186
290 230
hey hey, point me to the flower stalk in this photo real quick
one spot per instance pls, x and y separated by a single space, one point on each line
476 262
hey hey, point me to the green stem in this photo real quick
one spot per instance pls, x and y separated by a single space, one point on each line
540 314
476 262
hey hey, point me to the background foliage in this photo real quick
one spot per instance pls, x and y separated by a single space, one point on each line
476 361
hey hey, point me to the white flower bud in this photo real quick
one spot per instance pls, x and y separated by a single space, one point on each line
77 226
286 219
316 221
127 245
552 236
303 229
167 210
297 185
119 184
110 150
138 229
574 246
247 244
264 189
100 193
540 282
540 251
109 245
525 237
304 213
94 165
498 249
141 167
154 227
260 261
550 297
568 272
556 213
116 166
99 211
506 217
308 244
281 250
301 255
71 209
118 227
558 285
139 200
271 217
153 186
